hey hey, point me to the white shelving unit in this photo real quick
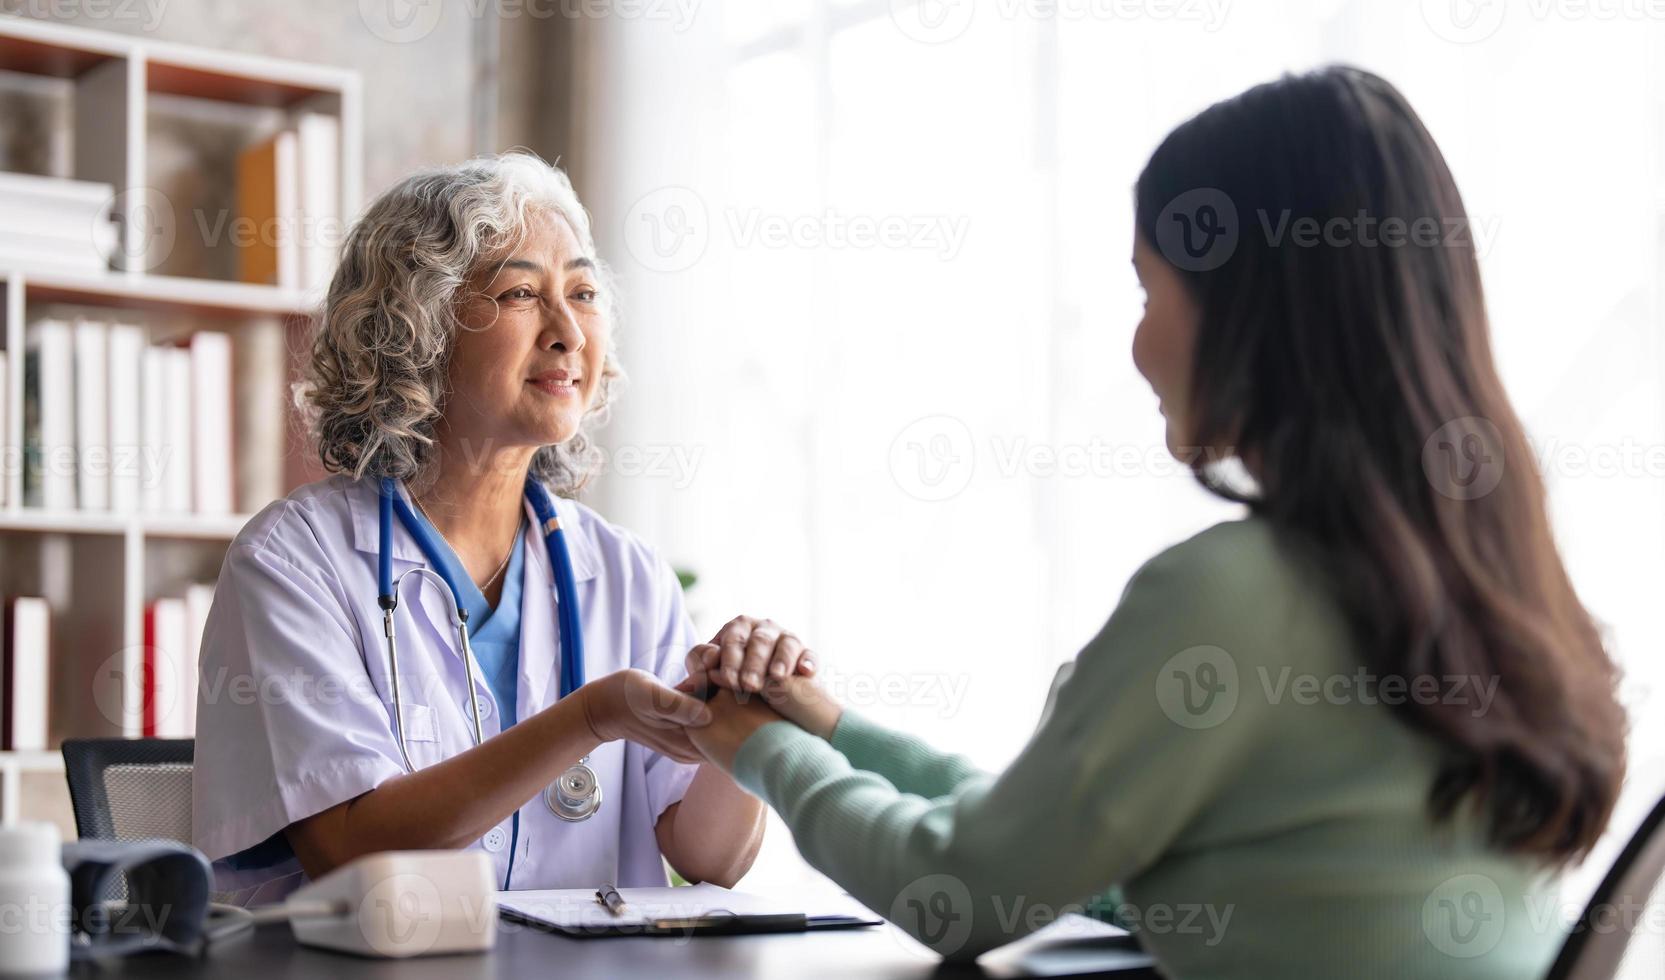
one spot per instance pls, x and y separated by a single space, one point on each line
99 569
13 767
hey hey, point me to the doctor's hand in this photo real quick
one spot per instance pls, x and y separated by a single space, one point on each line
747 651
732 722
800 700
633 704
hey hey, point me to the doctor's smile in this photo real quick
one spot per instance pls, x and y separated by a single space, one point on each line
559 384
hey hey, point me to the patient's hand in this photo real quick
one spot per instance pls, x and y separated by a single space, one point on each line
805 702
800 700
746 651
732 722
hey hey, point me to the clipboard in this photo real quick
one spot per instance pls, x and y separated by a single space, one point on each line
696 910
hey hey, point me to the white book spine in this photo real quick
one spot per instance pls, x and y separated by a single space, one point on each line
211 449
29 683
319 136
158 459
12 257
52 436
174 683
177 444
74 193
66 216
10 457
128 461
288 210
30 249
92 414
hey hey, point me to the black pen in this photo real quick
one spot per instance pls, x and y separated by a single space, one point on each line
610 899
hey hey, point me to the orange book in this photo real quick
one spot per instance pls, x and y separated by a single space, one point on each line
268 202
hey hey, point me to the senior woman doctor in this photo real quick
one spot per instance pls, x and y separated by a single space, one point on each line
463 344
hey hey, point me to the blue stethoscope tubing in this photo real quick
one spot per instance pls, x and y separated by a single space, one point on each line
576 794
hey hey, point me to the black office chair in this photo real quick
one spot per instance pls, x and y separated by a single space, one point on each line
1600 945
130 788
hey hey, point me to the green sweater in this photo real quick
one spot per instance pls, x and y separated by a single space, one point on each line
1217 758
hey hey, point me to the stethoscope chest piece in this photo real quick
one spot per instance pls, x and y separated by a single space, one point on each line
576 794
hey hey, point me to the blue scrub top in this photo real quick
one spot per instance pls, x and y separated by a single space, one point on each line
495 636
493 633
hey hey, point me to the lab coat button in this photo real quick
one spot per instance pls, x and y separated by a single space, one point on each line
484 704
494 839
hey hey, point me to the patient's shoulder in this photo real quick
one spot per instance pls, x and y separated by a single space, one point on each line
1247 556
1247 580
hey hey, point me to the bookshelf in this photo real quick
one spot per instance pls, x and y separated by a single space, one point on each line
99 569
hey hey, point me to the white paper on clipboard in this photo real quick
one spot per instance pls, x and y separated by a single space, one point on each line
575 909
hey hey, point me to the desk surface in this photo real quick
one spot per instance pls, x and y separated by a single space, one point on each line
270 952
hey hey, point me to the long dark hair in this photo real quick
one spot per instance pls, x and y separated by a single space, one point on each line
1343 354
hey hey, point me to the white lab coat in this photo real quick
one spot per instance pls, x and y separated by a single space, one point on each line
294 712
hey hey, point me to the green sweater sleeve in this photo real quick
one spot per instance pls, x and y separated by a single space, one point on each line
908 763
1090 801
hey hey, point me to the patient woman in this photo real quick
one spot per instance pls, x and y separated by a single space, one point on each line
1354 734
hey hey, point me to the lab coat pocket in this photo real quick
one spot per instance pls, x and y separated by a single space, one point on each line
419 723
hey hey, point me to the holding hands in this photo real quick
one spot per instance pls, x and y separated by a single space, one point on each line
634 705
763 673
747 651
751 673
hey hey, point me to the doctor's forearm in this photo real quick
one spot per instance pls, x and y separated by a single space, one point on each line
715 832
452 803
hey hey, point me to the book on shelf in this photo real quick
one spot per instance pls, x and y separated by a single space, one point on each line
289 190
268 197
318 148
166 628
211 445
9 457
92 414
260 380
172 653
38 253
128 458
175 441
49 416
112 423
167 428
24 673
56 223
153 428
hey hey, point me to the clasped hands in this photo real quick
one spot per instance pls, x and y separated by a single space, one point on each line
761 673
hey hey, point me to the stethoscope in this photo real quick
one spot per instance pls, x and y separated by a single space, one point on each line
576 794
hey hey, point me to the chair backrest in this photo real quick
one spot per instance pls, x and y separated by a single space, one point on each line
130 788
1601 942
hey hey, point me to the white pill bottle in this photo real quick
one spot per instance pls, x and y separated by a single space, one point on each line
34 901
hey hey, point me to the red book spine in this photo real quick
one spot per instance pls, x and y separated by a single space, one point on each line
148 695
